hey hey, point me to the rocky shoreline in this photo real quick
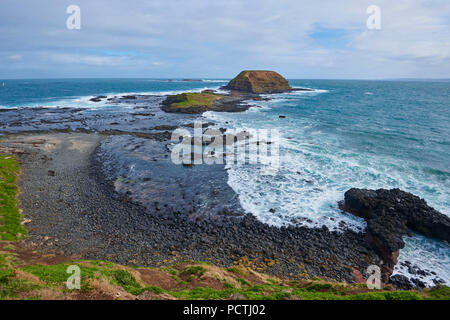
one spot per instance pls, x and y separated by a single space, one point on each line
73 207
75 210
390 215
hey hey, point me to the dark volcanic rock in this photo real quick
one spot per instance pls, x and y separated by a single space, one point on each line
389 215
401 282
399 205
93 221
97 99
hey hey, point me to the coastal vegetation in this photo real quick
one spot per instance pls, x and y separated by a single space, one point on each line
204 99
207 100
10 217
106 280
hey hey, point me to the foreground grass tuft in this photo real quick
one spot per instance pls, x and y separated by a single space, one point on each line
128 282
10 217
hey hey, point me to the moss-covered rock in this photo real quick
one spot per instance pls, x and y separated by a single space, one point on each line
259 81
198 102
188 102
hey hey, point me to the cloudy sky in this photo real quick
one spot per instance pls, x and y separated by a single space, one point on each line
218 38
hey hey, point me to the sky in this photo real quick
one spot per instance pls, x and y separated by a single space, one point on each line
219 38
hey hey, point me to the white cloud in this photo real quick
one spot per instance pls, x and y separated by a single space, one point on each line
76 59
14 57
218 38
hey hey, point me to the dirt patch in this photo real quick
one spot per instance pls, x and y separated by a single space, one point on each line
162 279
206 282
28 256
152 296
92 295
27 276
104 289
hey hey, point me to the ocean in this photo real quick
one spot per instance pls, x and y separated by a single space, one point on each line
345 133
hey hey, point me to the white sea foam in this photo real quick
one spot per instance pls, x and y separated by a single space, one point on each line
206 80
316 169
428 255
314 174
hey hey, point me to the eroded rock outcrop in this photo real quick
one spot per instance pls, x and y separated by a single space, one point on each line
389 215
259 81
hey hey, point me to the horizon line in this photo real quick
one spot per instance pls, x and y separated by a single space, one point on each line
225 78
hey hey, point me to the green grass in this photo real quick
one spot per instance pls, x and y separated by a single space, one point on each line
174 274
234 270
10 286
319 287
201 293
10 217
276 292
128 282
196 271
55 276
243 282
155 289
440 292
194 99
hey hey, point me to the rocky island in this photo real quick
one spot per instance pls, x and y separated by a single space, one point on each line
259 81
247 85
199 102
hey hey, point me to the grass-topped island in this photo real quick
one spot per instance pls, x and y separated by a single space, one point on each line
247 85
198 102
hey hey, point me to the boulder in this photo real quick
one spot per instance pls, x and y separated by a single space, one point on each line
258 81
389 215
97 99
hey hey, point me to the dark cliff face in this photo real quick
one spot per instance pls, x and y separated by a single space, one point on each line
259 82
